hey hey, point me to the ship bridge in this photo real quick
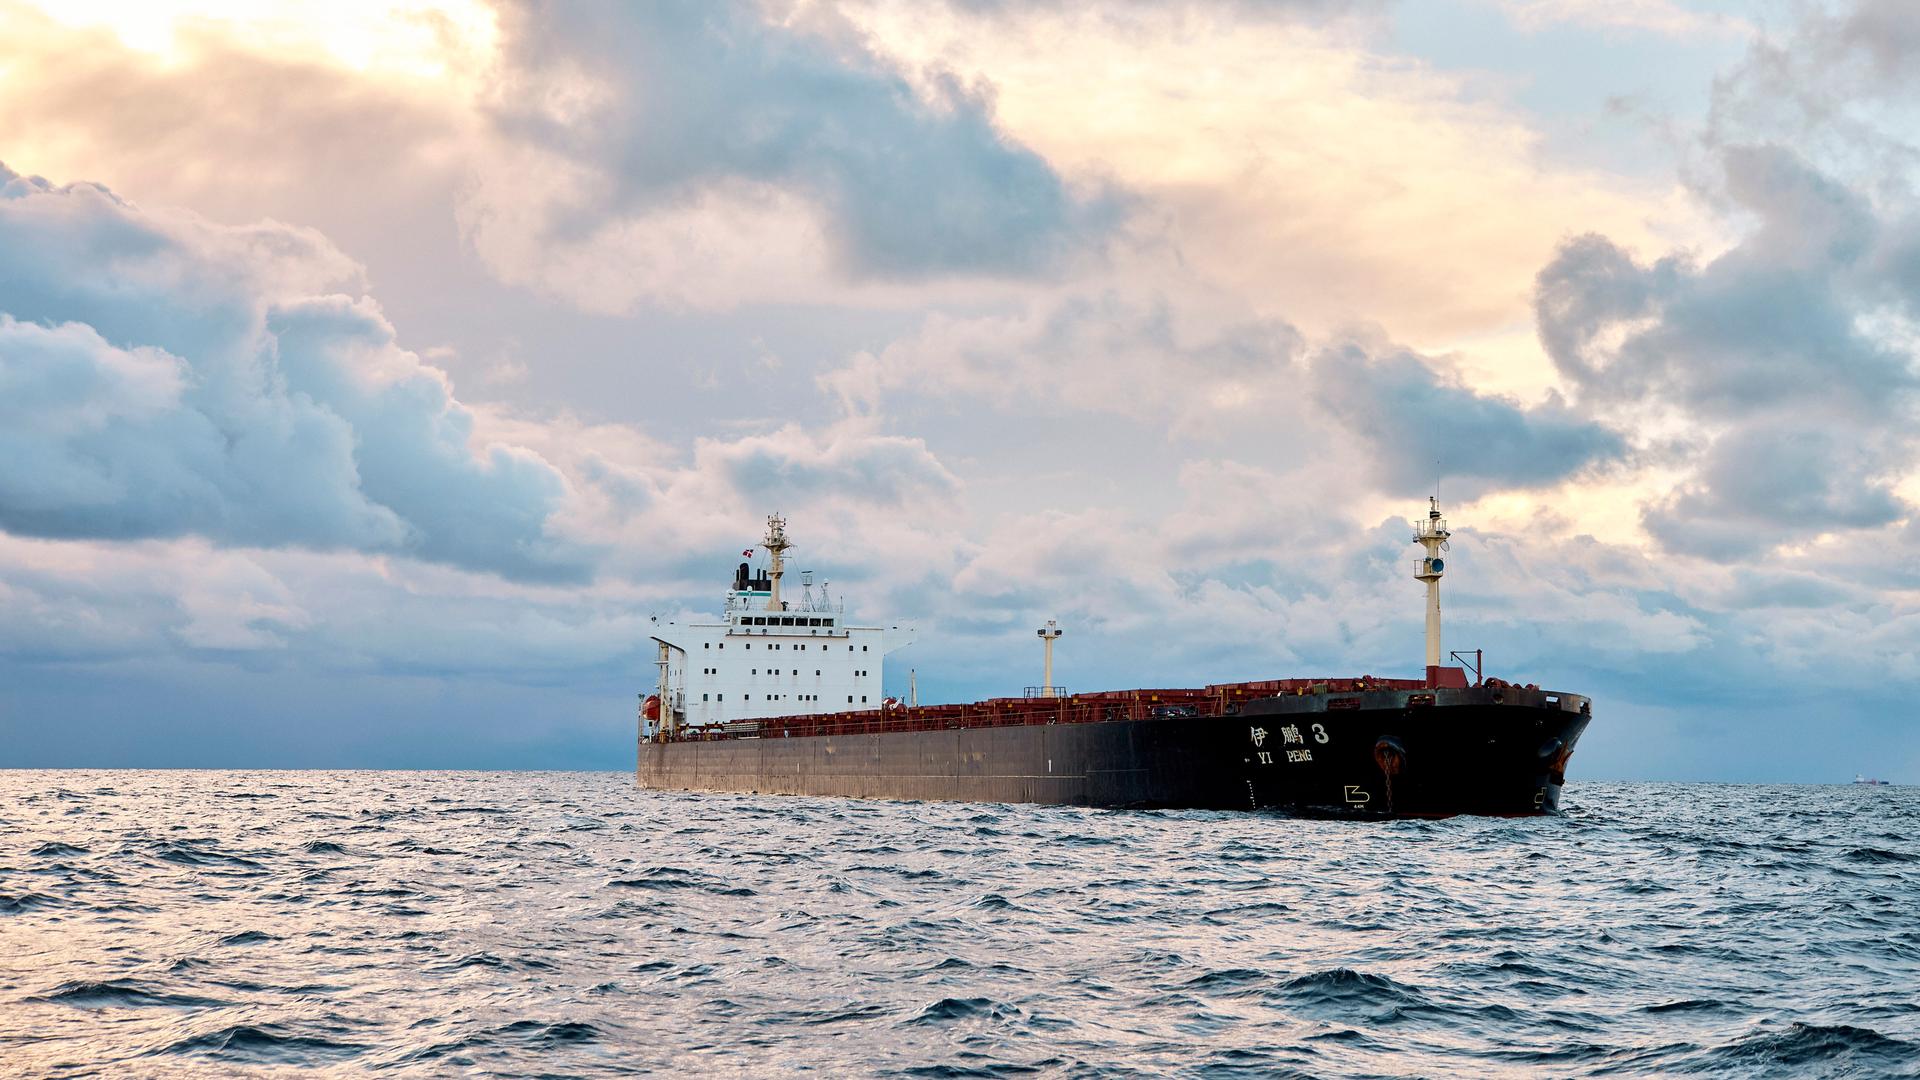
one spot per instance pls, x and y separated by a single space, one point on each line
768 655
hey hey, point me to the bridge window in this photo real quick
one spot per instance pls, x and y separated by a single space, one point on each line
703 697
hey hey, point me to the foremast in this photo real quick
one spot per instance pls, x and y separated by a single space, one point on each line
1432 535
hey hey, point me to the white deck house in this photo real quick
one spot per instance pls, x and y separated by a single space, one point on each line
768 656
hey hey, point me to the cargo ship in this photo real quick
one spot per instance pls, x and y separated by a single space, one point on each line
783 696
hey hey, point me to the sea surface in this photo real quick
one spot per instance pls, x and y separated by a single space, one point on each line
565 924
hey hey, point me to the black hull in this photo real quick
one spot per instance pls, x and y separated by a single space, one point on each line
1376 754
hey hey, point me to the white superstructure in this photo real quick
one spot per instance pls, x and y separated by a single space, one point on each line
769 656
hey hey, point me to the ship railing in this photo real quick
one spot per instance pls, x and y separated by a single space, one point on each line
1047 692
1222 699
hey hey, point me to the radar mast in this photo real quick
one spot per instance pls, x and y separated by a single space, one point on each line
1432 535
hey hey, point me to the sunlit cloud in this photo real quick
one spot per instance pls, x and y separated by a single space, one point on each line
424 39
449 341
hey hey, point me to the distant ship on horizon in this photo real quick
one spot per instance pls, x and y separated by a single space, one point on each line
1862 779
784 696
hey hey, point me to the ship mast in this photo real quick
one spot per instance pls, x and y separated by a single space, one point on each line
1432 534
1049 634
776 545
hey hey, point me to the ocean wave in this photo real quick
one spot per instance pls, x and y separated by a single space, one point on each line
949 1010
1799 1046
567 924
265 1044
17 903
120 993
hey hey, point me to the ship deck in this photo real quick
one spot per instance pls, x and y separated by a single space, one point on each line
1221 699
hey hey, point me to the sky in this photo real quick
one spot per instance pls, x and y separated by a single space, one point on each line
373 371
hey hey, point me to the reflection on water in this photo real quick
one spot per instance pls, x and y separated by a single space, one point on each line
566 924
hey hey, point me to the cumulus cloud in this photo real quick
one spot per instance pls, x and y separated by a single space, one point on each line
1769 482
1807 405
168 376
1837 84
1423 427
1141 357
1289 161
1382 413
626 125
791 464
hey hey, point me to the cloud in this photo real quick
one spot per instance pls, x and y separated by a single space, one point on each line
1837 84
1423 427
1146 357
1377 412
1768 483
1772 320
1656 16
167 376
1291 162
225 122
658 125
791 465
1770 354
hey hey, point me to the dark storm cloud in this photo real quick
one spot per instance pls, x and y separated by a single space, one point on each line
665 100
1769 341
162 376
1421 428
